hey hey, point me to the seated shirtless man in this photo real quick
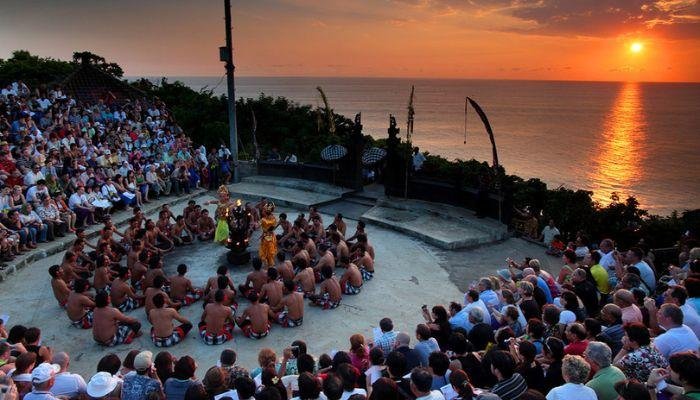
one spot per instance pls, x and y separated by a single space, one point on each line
216 326
272 292
192 217
133 256
71 270
351 281
205 226
305 280
181 288
284 266
157 288
222 284
179 233
329 295
362 240
254 321
212 281
327 259
123 296
111 327
255 280
80 306
60 288
155 269
139 270
365 263
341 248
163 333
290 312
103 275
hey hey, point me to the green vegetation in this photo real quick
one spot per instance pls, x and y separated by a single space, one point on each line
305 130
35 70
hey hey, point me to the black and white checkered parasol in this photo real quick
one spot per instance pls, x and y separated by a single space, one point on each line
373 155
333 152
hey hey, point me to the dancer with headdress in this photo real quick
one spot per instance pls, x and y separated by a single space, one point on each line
268 240
222 211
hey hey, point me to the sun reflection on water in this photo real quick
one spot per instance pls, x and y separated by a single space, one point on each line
619 163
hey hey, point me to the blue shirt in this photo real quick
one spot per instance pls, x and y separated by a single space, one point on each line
36 395
424 348
138 387
547 293
386 341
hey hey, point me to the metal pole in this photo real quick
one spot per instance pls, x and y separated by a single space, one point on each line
233 129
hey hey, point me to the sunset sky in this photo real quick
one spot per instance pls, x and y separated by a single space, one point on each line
505 39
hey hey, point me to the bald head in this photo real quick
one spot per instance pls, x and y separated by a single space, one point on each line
62 359
528 271
402 339
623 298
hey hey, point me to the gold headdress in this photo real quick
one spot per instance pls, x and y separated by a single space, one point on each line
222 190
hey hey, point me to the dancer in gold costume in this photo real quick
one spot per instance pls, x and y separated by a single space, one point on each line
268 240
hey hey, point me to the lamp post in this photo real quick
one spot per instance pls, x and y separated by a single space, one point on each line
226 55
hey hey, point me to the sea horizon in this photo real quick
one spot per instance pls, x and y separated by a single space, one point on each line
644 131
177 77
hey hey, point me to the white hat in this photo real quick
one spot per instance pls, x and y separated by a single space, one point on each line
101 384
108 152
143 360
44 372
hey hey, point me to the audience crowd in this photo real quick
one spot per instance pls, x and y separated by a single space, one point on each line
607 325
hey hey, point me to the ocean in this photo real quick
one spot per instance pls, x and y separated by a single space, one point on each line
631 138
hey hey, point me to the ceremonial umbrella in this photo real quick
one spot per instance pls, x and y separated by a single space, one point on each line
333 152
373 155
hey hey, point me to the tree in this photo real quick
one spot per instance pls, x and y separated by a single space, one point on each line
33 70
98 61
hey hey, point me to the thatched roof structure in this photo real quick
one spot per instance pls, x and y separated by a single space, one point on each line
90 84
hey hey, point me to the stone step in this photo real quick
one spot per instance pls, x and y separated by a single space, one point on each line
441 225
298 184
360 200
281 195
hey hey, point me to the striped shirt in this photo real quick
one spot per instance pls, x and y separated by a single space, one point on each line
511 388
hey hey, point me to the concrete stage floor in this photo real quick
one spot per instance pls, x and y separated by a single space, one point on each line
409 273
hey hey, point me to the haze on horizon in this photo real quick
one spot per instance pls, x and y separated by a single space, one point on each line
620 40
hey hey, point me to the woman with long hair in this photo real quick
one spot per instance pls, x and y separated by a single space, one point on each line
359 354
460 384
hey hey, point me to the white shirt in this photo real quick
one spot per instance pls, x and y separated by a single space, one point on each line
647 274
69 385
607 261
30 178
374 372
76 200
346 395
33 193
676 340
418 160
569 391
691 319
433 395
549 234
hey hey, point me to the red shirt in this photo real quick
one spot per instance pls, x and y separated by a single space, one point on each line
576 348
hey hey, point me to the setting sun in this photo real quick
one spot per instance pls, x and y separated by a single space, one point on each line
636 47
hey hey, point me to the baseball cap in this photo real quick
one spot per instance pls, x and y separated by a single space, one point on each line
101 384
143 360
44 371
